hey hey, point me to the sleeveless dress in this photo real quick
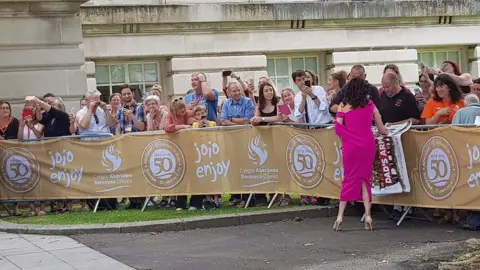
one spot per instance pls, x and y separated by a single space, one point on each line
262 114
358 151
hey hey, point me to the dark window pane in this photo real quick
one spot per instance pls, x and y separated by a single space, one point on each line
105 90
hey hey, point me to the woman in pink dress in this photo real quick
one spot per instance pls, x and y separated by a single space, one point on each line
354 126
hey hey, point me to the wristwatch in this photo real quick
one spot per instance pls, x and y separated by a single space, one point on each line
263 119
314 98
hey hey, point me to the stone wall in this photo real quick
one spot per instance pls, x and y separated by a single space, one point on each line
39 50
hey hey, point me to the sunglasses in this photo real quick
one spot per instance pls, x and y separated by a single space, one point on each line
178 99
96 119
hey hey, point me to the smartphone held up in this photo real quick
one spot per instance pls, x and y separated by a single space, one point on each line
226 73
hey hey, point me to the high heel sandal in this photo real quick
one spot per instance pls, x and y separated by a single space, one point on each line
337 226
368 223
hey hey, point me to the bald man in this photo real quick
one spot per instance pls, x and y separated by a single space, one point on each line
357 71
397 104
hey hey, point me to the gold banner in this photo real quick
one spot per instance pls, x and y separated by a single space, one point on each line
443 165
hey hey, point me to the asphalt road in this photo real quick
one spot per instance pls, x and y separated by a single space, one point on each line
308 244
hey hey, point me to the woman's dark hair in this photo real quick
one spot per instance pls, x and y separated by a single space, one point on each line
456 68
453 88
315 77
357 93
261 96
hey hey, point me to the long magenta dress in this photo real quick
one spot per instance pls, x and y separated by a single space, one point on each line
358 151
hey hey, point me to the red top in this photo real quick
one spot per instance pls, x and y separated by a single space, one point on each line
172 121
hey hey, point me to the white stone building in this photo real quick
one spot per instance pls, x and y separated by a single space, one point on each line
142 42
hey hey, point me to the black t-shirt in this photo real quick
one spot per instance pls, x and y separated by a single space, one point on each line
59 127
11 133
398 108
374 96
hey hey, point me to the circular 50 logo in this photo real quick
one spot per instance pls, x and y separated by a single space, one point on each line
305 161
20 170
163 164
439 171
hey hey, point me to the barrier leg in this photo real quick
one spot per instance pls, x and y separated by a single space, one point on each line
96 206
405 213
363 218
145 203
248 201
7 209
384 210
272 200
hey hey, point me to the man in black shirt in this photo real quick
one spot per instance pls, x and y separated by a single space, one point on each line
358 71
397 104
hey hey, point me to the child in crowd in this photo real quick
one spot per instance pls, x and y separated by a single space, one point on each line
200 113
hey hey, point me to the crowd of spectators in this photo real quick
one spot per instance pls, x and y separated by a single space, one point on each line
443 96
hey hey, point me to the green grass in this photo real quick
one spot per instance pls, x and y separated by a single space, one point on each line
124 215
127 215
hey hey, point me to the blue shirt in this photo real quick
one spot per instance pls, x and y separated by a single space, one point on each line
467 115
243 109
210 104
137 111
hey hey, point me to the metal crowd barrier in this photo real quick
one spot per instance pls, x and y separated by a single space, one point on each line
97 136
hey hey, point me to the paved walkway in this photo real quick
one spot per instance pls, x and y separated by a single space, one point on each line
25 252
288 245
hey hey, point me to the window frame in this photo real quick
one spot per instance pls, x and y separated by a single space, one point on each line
462 55
289 57
143 84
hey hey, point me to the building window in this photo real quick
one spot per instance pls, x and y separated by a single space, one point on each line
435 59
280 69
139 76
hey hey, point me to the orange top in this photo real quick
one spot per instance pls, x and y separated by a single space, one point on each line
432 107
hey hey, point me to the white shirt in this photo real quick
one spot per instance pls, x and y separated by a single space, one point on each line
317 115
101 127
29 134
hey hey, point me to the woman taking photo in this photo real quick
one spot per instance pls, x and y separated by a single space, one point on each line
354 126
30 129
463 80
9 131
425 81
445 102
57 123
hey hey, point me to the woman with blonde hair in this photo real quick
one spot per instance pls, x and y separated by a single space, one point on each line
288 98
335 83
114 105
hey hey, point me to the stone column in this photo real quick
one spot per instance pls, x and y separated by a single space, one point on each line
474 67
181 69
375 61
39 50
